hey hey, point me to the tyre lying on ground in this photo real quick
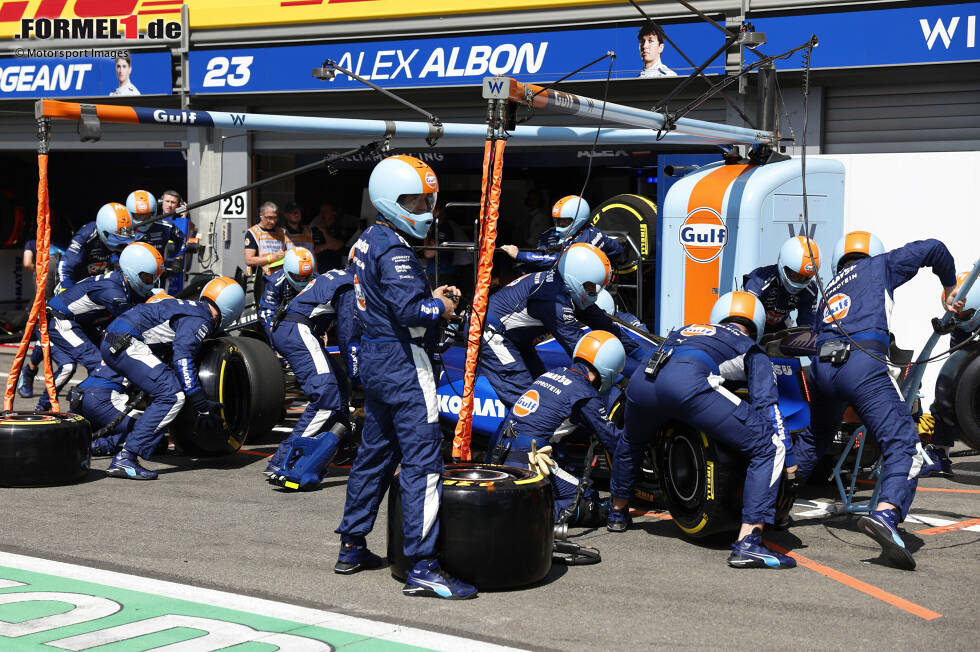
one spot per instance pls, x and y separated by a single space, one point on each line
48 448
496 526
244 375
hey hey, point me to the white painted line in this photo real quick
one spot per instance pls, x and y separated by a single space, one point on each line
281 610
820 508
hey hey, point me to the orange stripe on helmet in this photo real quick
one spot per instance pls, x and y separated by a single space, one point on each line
857 242
810 265
141 200
602 256
159 296
304 260
123 219
153 252
556 210
588 347
215 287
743 305
430 183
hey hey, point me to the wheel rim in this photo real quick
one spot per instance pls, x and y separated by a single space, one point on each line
682 464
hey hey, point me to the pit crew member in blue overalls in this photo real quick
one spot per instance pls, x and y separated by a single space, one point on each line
73 310
860 302
102 399
788 285
280 288
396 307
168 239
944 435
558 301
323 299
683 380
181 326
559 397
570 215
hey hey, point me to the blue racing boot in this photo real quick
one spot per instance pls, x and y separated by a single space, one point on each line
102 447
126 465
750 552
426 579
25 384
882 526
619 519
942 467
354 556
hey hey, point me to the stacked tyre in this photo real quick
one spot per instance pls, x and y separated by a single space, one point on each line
47 448
496 526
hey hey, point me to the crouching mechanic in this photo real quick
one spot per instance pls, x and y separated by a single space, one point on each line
860 302
72 311
181 326
401 424
683 380
555 398
298 337
788 285
559 301
281 288
570 215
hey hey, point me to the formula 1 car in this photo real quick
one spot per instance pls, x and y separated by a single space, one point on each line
701 480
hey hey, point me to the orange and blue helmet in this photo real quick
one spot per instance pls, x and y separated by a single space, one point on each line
796 265
114 225
142 265
742 308
969 317
570 214
602 351
299 266
143 205
404 190
856 244
227 296
586 271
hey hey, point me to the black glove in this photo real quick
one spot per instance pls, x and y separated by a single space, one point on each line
200 402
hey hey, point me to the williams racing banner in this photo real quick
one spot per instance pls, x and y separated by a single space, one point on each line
880 37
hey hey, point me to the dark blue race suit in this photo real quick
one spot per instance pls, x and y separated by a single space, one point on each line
779 302
166 238
861 298
276 293
328 299
689 388
86 256
549 240
104 399
528 308
179 325
396 309
72 311
557 397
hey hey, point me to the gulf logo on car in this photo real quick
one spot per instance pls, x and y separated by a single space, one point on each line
837 308
703 235
698 329
527 403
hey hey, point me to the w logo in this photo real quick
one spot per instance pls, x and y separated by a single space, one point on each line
930 34
496 88
793 234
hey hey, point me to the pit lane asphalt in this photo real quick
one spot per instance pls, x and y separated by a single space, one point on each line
215 523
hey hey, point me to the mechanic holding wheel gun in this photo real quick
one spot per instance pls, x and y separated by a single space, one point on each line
567 394
396 307
182 326
788 285
849 369
297 335
683 380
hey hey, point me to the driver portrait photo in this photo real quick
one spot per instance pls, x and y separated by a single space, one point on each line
124 67
652 39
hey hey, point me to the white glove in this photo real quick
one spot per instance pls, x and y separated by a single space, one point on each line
540 460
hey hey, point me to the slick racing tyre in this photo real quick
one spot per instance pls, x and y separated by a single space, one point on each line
702 481
647 480
43 449
634 215
958 395
245 376
496 526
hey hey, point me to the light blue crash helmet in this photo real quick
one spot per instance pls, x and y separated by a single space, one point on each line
299 266
114 225
856 242
142 205
602 351
227 296
570 214
796 265
586 271
142 265
606 302
404 190
742 308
